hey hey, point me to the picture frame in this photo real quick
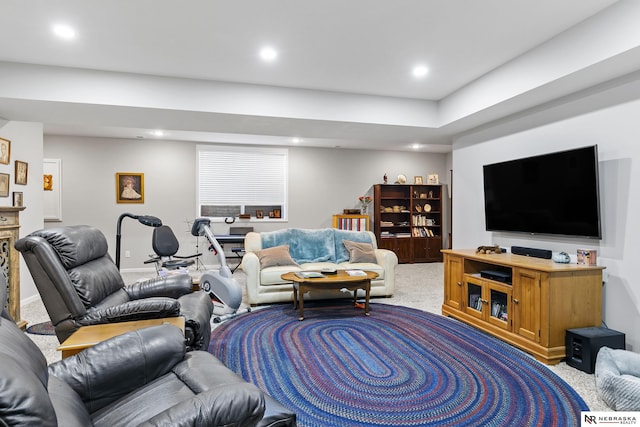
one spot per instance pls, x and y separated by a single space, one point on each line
277 213
417 180
5 151
259 214
21 172
4 184
433 179
18 199
129 187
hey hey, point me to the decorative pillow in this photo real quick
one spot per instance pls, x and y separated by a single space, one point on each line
277 255
360 252
342 253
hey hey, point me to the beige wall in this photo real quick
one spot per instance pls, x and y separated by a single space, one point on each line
26 145
615 130
322 182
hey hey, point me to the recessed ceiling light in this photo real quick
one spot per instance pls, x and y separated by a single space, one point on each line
420 71
295 140
415 146
268 53
157 133
64 31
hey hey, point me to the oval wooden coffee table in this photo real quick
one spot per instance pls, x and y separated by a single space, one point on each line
340 280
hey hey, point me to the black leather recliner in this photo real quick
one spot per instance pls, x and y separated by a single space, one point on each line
80 285
141 378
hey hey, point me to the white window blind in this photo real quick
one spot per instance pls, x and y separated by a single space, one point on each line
241 180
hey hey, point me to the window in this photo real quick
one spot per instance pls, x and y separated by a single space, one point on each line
235 181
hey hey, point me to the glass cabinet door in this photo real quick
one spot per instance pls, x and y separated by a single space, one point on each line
475 299
499 306
488 300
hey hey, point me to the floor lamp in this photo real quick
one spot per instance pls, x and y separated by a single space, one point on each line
148 220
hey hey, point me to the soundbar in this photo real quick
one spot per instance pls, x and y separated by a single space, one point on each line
533 252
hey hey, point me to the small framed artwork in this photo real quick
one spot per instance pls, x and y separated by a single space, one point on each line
5 151
433 179
17 199
259 214
277 213
4 185
52 186
129 187
22 172
417 180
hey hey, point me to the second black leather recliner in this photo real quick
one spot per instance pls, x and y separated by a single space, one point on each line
80 285
140 378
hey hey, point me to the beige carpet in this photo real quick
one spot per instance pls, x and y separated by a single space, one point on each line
417 285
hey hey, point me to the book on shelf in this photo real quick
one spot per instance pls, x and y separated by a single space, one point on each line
419 220
423 232
309 274
355 224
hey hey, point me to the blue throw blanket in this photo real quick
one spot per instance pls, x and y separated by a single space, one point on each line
323 245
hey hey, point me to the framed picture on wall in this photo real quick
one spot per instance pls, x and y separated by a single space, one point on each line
4 185
5 151
22 170
17 199
129 187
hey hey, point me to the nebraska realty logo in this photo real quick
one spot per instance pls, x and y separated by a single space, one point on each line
609 418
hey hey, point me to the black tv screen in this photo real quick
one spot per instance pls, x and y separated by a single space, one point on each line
554 193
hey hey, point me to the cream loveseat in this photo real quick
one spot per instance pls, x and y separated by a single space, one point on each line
267 258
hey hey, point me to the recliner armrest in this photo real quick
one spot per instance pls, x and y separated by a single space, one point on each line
113 368
231 405
197 308
172 286
148 308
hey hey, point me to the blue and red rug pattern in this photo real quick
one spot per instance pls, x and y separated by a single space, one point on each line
398 367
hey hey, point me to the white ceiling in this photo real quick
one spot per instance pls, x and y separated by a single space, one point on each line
342 77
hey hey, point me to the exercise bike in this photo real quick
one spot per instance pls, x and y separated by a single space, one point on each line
223 289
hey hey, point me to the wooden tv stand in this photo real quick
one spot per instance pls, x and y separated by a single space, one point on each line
533 312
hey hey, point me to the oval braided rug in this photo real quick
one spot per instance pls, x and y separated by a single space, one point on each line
398 367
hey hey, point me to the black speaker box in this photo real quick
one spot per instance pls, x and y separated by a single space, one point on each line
536 253
583 345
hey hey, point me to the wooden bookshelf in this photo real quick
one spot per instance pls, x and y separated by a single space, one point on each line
407 219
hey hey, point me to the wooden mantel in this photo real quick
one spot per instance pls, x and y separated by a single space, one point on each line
10 258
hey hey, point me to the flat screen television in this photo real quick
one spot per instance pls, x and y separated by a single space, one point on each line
555 194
